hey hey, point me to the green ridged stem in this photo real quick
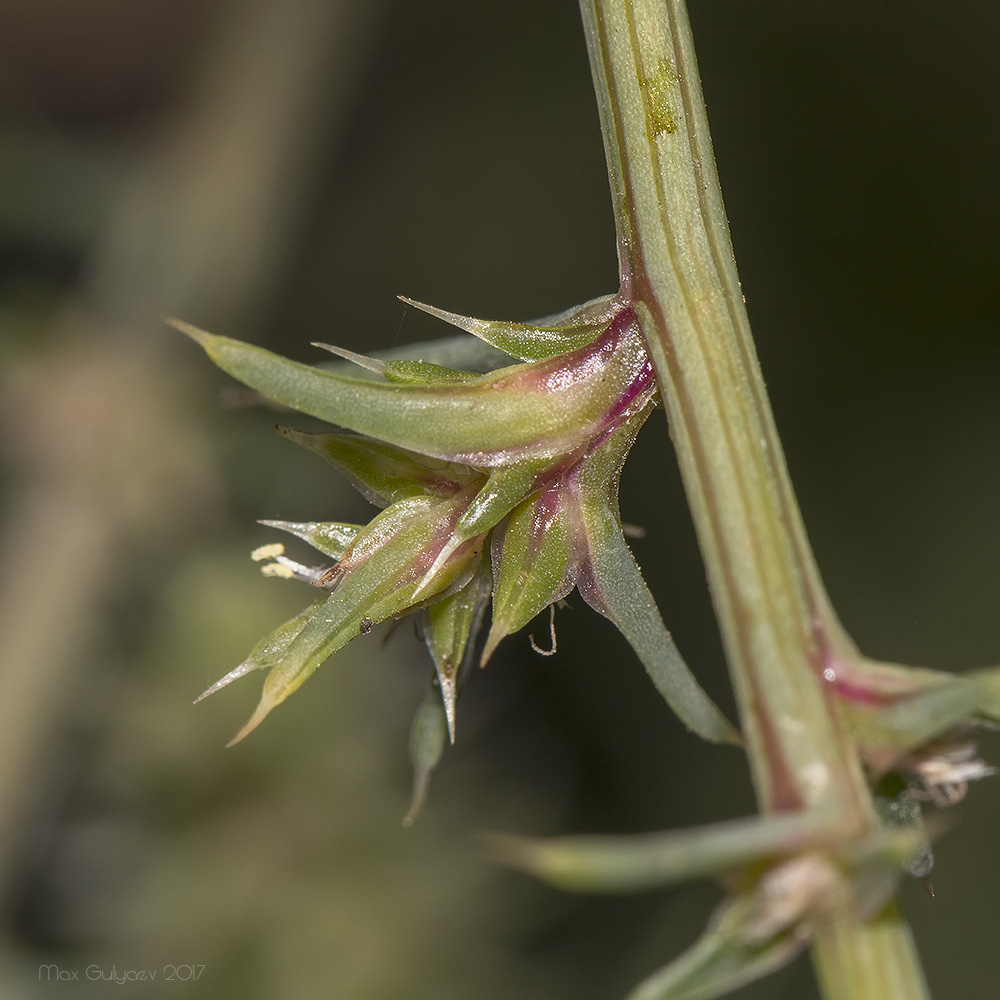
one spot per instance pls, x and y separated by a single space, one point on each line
776 622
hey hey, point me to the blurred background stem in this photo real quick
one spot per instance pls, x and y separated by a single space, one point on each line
202 223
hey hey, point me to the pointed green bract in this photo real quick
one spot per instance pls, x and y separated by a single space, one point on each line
536 557
268 652
459 353
612 584
523 412
449 624
503 490
533 341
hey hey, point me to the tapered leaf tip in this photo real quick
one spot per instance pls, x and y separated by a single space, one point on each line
361 360
239 671
502 848
499 630
289 432
492 641
261 712
421 785
202 337
466 323
448 698
519 853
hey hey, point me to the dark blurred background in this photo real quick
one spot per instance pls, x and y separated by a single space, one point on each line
279 170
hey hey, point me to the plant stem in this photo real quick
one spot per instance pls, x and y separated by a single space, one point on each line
779 630
869 960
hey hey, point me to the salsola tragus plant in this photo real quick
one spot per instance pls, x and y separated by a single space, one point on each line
499 495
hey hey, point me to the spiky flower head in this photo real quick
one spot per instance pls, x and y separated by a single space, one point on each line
502 486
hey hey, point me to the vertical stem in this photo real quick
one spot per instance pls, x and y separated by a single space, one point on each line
778 628
678 268
874 959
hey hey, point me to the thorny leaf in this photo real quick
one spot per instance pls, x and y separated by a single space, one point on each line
540 410
539 340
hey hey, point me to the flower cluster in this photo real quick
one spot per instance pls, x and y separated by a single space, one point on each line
495 489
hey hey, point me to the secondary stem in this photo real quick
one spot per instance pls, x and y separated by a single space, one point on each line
778 627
